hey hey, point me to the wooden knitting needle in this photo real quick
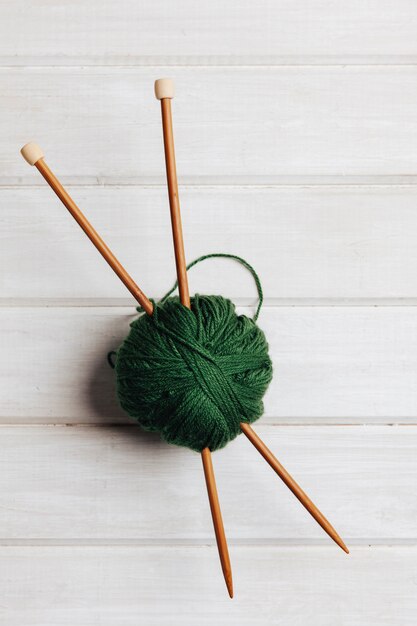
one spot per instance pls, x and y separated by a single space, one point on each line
33 154
292 485
164 91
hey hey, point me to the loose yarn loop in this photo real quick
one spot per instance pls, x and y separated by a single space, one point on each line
194 374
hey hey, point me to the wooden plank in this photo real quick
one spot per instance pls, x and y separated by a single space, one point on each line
305 242
331 364
232 125
134 32
275 586
118 484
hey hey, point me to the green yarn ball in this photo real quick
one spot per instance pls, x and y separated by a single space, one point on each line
194 375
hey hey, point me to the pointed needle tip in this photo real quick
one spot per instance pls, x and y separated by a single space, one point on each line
342 545
229 585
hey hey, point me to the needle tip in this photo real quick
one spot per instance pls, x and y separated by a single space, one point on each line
342 544
229 584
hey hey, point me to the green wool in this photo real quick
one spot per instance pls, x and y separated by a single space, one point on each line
194 375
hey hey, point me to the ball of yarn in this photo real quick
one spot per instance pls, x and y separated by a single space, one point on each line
194 374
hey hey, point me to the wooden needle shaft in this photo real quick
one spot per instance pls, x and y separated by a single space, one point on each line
94 237
292 485
185 299
141 298
216 514
174 203
147 305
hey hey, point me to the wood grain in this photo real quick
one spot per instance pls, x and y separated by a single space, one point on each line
327 121
120 484
331 364
305 242
123 584
131 32
130 585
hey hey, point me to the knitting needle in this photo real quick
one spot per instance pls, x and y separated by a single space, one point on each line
291 484
164 91
33 154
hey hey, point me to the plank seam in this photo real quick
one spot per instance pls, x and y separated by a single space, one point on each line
300 182
205 542
232 62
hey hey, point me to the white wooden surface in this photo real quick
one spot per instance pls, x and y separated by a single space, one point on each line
332 364
110 585
139 32
296 133
282 122
315 243
116 483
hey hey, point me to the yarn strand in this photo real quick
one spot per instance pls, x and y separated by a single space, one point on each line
223 255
